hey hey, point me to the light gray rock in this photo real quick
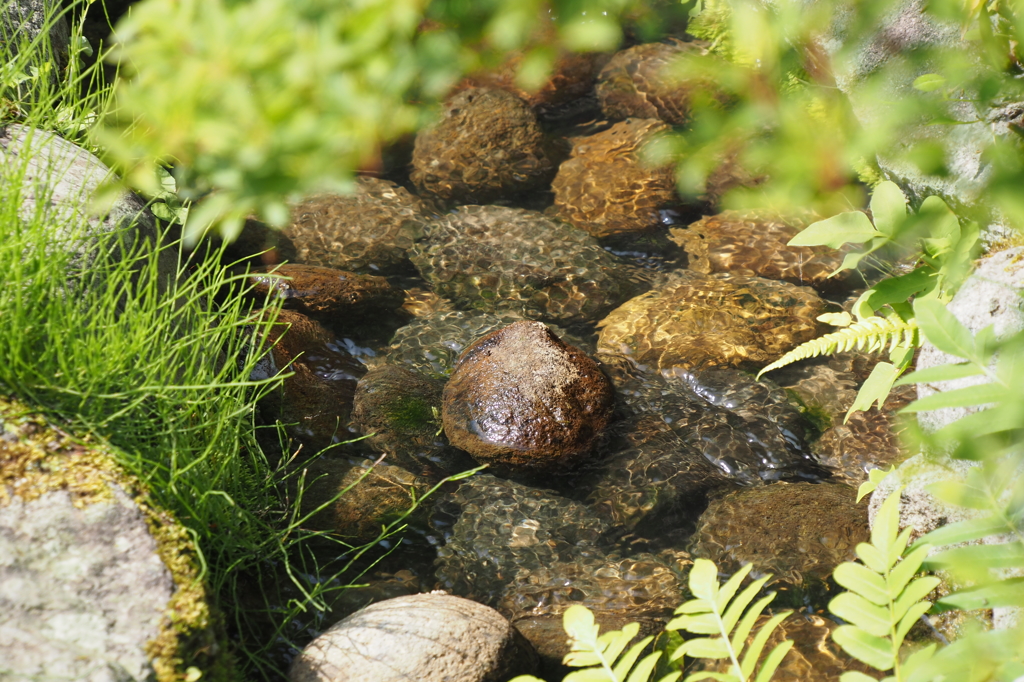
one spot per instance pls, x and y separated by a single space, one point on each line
425 637
22 21
877 75
90 570
82 591
59 181
991 296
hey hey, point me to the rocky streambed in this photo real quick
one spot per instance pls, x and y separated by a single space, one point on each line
523 291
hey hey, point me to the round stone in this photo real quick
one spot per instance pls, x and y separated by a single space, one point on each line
426 637
522 399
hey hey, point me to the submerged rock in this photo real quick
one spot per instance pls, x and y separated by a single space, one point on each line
313 404
523 400
356 500
487 146
798 532
850 447
721 320
643 82
400 412
815 657
326 293
493 258
571 79
531 552
605 189
682 436
426 637
755 243
369 230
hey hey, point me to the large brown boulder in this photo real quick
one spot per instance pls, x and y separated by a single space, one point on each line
720 320
643 81
522 399
326 293
425 637
487 146
606 189
368 230
314 403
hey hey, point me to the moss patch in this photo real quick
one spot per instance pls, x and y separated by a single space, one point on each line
37 457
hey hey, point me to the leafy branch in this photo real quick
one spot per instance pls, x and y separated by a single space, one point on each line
600 657
883 600
715 612
886 314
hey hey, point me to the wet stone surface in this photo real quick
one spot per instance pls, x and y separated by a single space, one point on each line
432 344
493 258
325 293
642 82
313 404
754 243
682 436
798 532
826 388
722 320
522 400
368 231
400 410
532 552
487 146
605 189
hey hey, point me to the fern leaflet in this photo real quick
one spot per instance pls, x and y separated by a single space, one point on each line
871 334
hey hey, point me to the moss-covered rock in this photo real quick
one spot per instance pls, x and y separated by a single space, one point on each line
96 571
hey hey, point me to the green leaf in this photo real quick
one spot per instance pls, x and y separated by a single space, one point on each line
703 647
872 557
886 524
704 624
625 664
969 396
888 208
875 388
863 581
855 676
875 476
942 328
613 643
918 658
735 610
1008 592
1009 555
942 373
772 661
753 652
525 678
943 223
911 617
875 651
642 672
588 675
739 637
728 590
896 289
929 82
964 531
579 624
915 592
901 574
858 611
852 227
704 580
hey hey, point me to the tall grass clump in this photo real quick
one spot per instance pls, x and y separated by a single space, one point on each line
147 347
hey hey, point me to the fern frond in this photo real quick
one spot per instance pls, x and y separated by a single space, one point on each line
600 657
871 334
716 612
